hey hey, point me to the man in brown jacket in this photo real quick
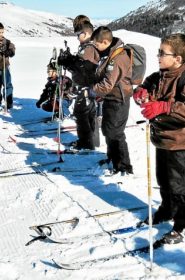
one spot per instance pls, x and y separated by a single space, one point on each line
113 85
7 49
165 109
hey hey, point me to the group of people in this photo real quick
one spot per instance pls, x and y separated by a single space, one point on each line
161 97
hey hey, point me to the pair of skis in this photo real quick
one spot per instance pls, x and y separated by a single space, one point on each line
61 264
6 171
45 232
88 263
46 229
50 131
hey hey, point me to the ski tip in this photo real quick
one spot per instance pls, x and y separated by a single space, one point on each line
12 139
65 266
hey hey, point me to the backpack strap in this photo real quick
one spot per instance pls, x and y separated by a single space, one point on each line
121 50
116 52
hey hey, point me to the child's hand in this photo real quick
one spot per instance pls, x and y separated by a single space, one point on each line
141 95
153 109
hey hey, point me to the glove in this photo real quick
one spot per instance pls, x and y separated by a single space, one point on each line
38 104
153 109
140 95
65 59
2 49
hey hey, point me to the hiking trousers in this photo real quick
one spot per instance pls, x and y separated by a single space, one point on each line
85 113
115 116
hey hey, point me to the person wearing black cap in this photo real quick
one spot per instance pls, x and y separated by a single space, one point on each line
85 107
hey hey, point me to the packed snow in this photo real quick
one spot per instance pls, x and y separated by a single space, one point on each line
33 192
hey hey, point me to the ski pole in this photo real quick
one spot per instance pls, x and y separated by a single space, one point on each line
54 58
54 103
62 81
60 113
4 81
61 94
149 192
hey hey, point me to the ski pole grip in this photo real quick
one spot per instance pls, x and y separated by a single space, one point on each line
141 121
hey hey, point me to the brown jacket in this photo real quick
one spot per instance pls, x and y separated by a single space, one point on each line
168 131
113 75
89 52
9 51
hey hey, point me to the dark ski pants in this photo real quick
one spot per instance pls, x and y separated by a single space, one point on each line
115 116
85 113
170 173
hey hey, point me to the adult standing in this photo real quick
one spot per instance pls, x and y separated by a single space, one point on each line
7 50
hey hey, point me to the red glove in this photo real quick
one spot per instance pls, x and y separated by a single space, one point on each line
140 95
153 109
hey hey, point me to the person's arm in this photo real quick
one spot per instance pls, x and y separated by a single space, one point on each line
90 53
115 72
145 91
44 96
7 49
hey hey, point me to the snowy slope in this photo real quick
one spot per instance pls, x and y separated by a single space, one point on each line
157 18
19 21
33 194
24 22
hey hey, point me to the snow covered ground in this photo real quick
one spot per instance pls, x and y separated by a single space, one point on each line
32 193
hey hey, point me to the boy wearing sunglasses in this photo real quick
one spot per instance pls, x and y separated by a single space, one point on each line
84 108
162 99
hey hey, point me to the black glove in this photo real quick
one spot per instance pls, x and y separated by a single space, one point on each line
38 103
3 49
6 52
65 59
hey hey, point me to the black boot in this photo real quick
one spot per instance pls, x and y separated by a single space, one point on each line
9 101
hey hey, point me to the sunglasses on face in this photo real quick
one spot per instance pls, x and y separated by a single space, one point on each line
79 33
161 53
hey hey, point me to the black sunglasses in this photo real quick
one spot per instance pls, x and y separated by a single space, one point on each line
79 33
161 53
